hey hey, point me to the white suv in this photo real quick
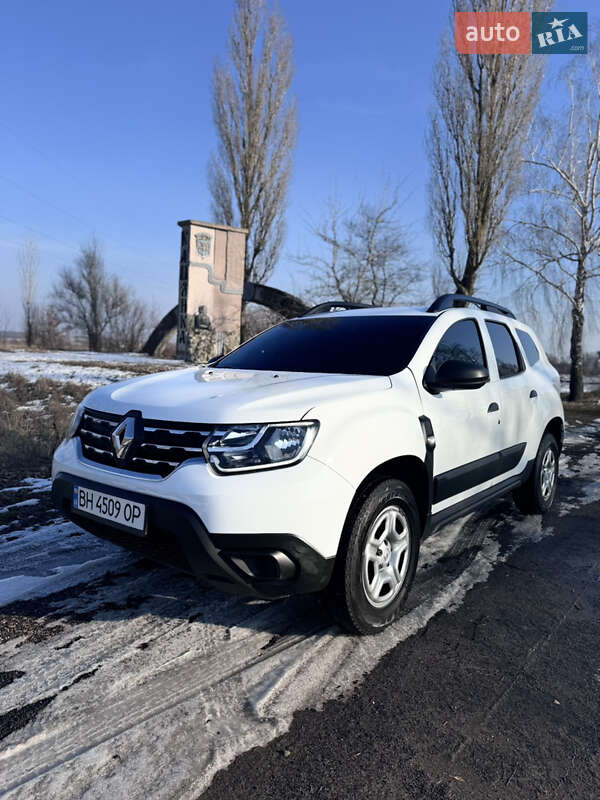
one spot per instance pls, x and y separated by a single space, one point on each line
316 456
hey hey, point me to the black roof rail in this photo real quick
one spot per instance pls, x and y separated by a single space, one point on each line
334 305
446 301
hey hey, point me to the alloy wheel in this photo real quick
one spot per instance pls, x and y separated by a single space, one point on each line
548 473
386 556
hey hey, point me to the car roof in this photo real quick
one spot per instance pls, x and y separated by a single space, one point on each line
375 311
413 311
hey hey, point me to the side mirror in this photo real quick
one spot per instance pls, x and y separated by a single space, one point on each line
455 374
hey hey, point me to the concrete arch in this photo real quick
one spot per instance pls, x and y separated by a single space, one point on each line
282 302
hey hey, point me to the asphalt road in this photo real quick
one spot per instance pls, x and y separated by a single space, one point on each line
498 699
123 679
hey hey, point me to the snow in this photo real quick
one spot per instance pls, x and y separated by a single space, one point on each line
30 502
51 364
19 356
31 484
590 383
186 679
33 405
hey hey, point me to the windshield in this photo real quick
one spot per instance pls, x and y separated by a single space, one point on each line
352 345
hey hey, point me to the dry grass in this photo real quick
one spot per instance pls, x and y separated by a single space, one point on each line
585 410
34 418
146 368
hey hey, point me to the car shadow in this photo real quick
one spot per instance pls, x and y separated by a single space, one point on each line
126 586
133 587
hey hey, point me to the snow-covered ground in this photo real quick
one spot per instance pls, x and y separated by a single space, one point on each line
55 364
152 683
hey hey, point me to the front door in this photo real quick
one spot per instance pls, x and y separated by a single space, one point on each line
465 422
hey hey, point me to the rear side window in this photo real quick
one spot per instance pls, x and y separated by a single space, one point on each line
505 349
461 342
531 351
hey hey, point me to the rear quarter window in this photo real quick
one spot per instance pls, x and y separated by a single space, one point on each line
531 351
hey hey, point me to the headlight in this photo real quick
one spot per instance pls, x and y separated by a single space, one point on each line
75 420
238 448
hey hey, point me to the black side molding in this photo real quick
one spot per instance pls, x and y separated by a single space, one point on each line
458 510
472 474
429 437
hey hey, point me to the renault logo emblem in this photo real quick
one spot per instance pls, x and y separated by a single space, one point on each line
123 436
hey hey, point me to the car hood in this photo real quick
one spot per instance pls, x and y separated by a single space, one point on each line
215 395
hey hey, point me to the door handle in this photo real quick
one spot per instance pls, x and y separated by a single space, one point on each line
493 407
532 394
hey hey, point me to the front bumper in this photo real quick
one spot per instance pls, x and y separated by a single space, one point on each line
260 565
309 500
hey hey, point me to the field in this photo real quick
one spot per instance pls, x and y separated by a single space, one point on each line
39 392
121 678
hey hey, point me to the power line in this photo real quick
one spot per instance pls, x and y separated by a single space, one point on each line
76 249
52 159
41 200
113 242
39 233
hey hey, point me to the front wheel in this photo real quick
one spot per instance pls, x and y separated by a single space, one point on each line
377 560
538 492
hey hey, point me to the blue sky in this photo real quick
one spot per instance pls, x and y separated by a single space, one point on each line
106 127
105 124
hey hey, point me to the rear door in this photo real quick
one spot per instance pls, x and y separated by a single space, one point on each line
512 386
465 421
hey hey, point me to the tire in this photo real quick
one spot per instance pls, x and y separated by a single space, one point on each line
377 559
537 494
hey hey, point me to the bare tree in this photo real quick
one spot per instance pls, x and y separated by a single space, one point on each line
259 318
256 129
48 326
363 256
128 330
80 295
5 321
29 265
484 106
86 298
441 282
534 301
558 239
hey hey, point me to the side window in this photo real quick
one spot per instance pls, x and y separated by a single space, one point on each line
461 342
531 351
505 349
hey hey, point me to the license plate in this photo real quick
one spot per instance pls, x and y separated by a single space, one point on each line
117 510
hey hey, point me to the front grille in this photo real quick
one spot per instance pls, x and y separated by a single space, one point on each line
157 448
